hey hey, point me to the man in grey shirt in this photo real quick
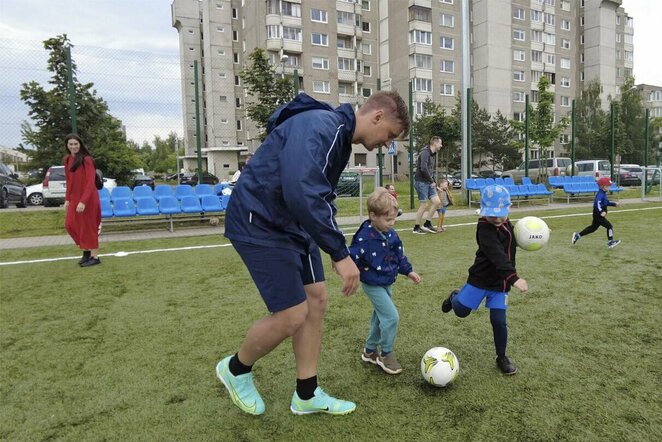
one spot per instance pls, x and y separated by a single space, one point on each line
425 185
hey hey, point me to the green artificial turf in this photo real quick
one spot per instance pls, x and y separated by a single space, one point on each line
126 350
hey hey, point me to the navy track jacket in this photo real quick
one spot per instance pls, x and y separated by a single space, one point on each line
284 196
494 266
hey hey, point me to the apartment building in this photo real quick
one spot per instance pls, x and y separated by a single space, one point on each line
344 50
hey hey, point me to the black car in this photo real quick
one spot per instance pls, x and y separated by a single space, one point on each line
12 191
191 178
626 178
143 180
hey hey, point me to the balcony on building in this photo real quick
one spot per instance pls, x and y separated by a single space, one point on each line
421 3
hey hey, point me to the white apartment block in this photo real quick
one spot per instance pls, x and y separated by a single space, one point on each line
344 50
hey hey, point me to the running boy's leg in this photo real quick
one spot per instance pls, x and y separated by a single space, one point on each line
593 227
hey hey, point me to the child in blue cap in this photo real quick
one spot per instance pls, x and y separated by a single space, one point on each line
493 272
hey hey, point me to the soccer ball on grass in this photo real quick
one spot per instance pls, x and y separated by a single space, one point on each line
531 233
439 366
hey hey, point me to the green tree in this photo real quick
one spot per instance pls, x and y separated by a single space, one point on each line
542 130
591 125
435 122
501 144
49 111
630 123
268 90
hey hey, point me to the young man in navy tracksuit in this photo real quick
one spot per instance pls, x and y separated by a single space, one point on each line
280 214
600 215
493 272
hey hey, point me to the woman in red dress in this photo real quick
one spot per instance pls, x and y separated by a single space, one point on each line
82 200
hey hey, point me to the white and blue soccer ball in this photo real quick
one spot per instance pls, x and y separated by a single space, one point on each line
439 366
531 233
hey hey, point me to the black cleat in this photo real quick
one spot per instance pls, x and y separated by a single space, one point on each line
505 365
447 304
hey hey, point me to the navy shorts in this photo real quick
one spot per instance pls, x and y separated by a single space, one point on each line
281 274
471 296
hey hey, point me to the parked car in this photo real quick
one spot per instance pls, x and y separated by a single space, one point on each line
35 194
455 183
173 177
54 186
12 191
625 178
143 180
653 176
489 173
348 184
553 167
595 168
191 178
634 168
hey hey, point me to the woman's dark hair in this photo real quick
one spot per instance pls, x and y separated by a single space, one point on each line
80 156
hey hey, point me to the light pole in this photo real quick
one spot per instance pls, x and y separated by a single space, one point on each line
283 59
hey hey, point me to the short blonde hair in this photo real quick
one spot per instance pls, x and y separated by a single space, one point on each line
381 202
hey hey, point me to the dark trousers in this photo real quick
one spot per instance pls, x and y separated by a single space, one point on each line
497 319
597 222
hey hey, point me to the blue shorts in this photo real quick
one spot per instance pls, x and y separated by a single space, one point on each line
471 296
281 274
425 191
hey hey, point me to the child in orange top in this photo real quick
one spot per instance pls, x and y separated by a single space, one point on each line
446 199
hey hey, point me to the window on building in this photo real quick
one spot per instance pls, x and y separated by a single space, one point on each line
365 26
448 2
321 87
273 31
565 81
519 55
421 61
536 76
565 101
367 71
291 9
447 66
550 58
518 14
360 159
447 20
223 98
320 63
234 13
238 124
536 56
535 96
565 24
420 13
420 37
318 39
518 34
536 16
345 18
423 85
319 15
536 36
447 89
345 88
565 43
518 76
366 48
290 33
237 102
518 116
345 64
548 38
345 42
447 42
235 36
366 92
237 80
365 5
518 97
565 63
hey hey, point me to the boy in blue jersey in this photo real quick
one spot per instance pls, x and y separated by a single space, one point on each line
600 215
493 272
378 253
280 215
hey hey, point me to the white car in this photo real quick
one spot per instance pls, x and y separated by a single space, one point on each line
35 194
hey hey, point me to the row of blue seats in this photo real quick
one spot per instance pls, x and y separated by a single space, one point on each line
167 205
526 190
573 188
557 182
161 191
479 183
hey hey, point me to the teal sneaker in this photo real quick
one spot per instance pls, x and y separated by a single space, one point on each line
241 388
321 403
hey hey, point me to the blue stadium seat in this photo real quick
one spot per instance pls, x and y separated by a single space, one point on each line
225 199
555 181
104 194
218 188
120 192
513 190
204 189
499 181
470 184
523 190
124 207
586 179
146 206
526 180
509 181
142 192
490 182
211 203
169 205
183 190
163 190
576 179
542 190
106 208
190 204
480 183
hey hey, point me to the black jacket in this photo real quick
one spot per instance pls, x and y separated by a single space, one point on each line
425 166
494 266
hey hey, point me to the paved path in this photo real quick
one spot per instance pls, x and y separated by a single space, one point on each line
59 240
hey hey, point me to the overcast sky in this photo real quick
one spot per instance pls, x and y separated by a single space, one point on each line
130 51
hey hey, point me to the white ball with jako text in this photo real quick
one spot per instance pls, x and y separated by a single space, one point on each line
531 233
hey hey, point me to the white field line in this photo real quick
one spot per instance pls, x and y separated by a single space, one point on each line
213 246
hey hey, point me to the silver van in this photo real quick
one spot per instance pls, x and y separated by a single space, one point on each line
595 168
54 186
556 166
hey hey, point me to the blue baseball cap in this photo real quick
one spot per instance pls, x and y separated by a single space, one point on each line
494 201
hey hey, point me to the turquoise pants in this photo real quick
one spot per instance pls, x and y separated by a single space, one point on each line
385 318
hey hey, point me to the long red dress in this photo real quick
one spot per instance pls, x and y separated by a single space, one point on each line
82 227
